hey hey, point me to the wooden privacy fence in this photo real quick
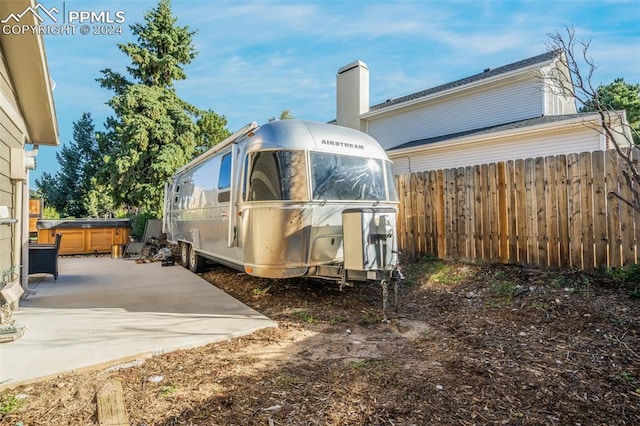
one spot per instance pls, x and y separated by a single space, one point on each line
553 211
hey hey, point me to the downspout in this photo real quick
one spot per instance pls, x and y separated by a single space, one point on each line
29 164
17 231
409 162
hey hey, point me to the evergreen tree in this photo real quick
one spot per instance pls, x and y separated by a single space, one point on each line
79 161
212 129
99 202
153 131
618 95
284 115
46 186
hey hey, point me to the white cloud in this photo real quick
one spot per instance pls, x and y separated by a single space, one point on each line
259 57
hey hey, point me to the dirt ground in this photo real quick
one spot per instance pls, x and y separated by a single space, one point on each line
466 345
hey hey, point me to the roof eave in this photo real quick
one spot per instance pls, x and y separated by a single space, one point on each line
27 63
592 118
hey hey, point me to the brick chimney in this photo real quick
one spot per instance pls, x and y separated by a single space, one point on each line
352 94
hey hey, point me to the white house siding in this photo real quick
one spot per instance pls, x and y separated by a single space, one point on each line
558 101
10 136
5 200
477 108
447 155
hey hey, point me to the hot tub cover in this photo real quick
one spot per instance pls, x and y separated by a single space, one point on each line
83 223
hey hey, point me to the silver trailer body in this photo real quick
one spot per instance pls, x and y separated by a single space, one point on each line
289 198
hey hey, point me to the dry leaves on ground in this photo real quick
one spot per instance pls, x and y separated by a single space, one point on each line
468 345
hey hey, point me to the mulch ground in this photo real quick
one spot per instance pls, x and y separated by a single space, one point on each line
464 345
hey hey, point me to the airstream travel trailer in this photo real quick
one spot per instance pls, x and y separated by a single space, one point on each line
289 198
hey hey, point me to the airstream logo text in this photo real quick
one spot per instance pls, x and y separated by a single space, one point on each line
342 144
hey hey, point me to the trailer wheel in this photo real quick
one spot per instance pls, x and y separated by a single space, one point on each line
184 254
196 262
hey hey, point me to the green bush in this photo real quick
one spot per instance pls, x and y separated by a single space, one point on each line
50 212
139 222
628 274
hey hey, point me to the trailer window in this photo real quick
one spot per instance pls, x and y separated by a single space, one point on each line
342 177
278 175
224 180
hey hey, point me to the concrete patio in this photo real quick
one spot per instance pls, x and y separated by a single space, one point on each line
104 311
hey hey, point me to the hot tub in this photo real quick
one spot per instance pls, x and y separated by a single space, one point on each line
82 236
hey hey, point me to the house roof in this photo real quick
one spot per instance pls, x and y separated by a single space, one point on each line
487 73
27 64
515 125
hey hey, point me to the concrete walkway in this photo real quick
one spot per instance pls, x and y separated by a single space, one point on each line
104 311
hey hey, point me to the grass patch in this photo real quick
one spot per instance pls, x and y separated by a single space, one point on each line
9 404
337 320
360 364
539 306
505 292
432 271
284 380
409 281
305 316
371 318
447 275
167 390
558 281
628 377
260 291
375 371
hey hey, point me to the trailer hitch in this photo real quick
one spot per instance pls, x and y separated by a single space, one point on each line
395 277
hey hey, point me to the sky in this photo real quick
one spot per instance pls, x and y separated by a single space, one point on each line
256 58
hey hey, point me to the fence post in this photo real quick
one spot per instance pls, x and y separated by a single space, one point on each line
521 211
477 212
586 210
551 199
494 232
541 212
626 215
468 213
420 217
599 209
511 212
613 208
439 203
430 191
563 210
575 218
503 213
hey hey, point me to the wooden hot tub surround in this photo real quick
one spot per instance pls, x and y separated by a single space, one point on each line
84 236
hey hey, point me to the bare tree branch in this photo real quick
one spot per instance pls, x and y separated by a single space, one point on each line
577 81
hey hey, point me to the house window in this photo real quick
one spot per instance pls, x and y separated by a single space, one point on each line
560 105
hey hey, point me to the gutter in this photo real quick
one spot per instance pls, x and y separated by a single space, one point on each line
546 127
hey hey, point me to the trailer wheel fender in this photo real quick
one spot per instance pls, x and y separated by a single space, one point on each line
184 254
196 262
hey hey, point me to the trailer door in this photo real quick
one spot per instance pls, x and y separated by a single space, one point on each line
232 239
